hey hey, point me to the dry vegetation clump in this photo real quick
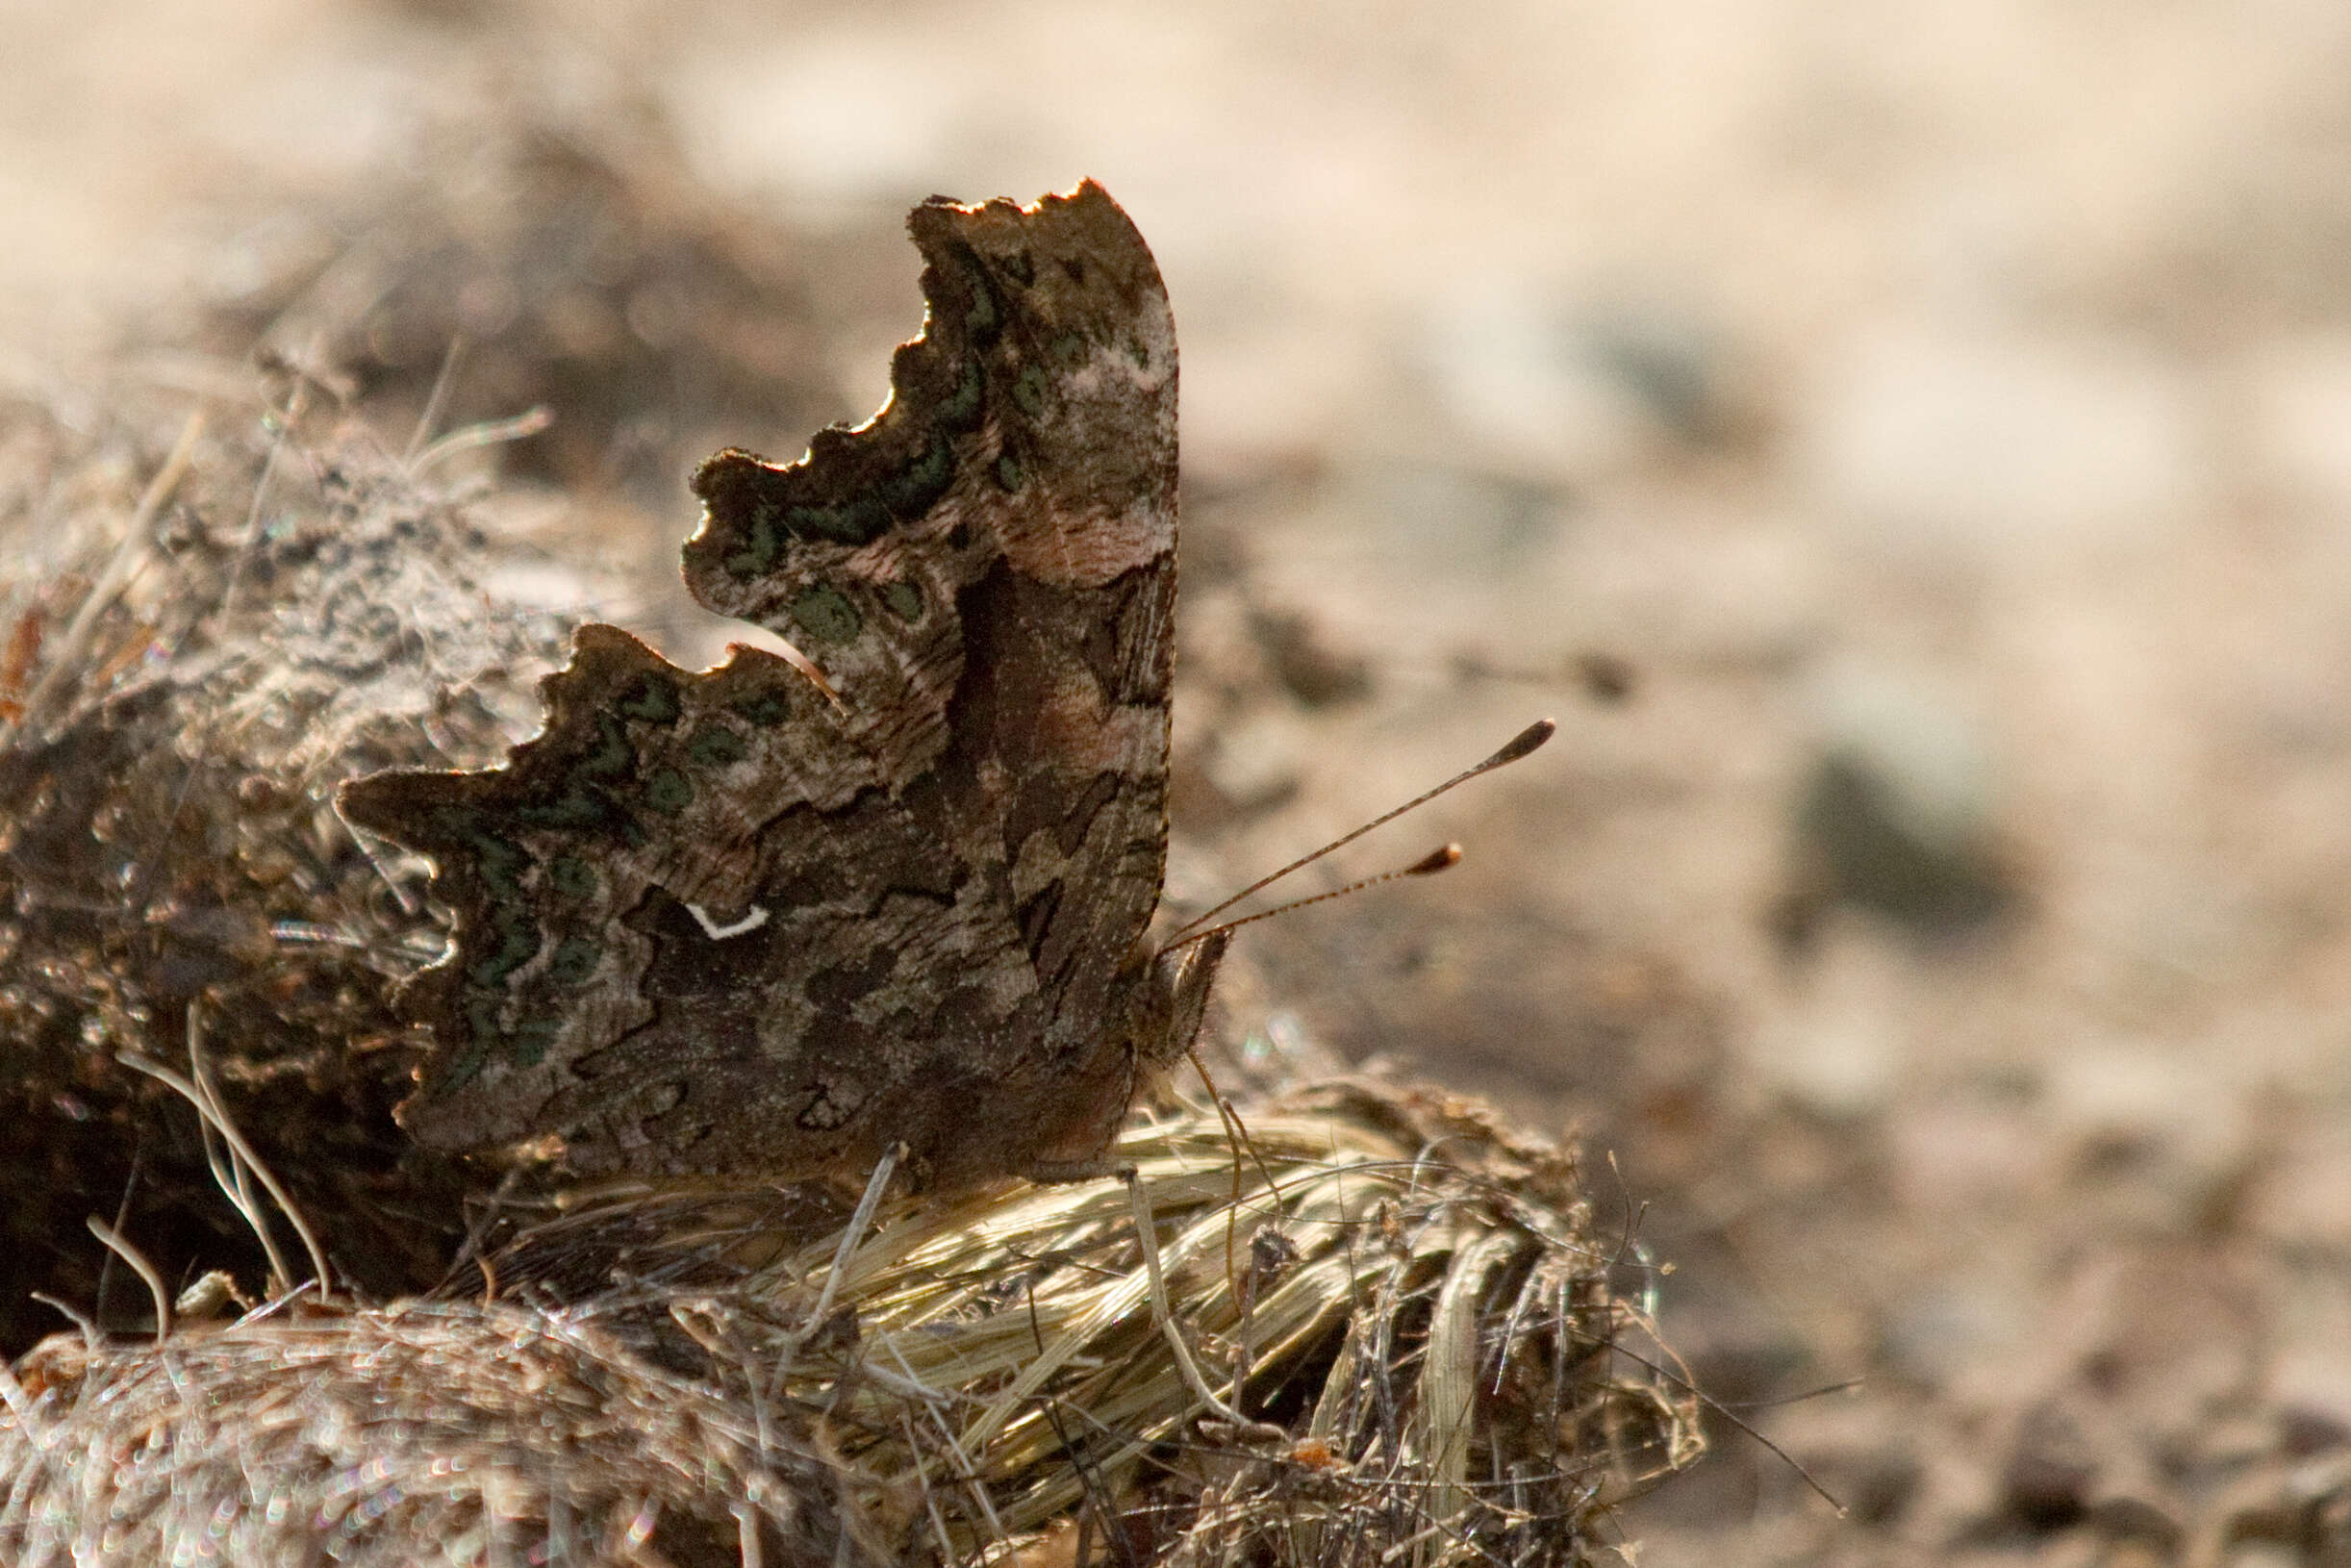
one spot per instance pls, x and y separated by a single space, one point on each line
210 623
421 1435
1420 1308
1401 1340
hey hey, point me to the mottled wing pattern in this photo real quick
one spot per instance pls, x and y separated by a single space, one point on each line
721 922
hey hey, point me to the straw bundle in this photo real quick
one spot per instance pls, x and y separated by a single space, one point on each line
1412 1313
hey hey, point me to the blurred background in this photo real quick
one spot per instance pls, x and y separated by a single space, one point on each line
1908 446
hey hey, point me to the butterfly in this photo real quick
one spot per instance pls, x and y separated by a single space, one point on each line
783 916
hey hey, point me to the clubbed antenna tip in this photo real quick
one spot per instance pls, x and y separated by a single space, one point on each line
1525 744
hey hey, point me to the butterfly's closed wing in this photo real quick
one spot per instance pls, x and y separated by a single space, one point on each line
717 921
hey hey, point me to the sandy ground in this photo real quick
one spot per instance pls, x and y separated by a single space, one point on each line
1942 413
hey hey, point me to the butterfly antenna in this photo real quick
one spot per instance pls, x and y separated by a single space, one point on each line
1444 857
1525 744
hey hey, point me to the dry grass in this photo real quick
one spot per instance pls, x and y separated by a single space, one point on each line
1432 1333
1411 1312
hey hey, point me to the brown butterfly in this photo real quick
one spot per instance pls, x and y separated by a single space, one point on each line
743 921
